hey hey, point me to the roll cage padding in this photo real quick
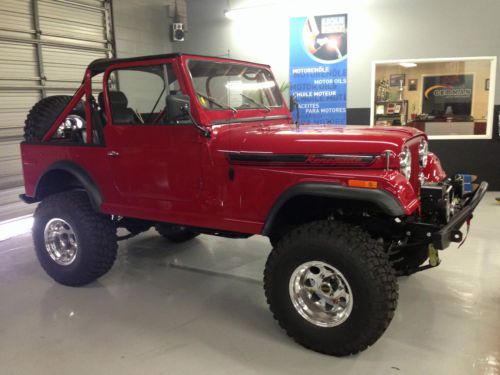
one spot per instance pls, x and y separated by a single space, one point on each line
387 203
81 176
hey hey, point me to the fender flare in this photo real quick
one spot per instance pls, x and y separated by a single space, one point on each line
381 198
88 183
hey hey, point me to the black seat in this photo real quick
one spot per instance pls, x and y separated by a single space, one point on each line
119 110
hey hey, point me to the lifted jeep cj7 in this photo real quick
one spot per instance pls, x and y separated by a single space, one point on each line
192 144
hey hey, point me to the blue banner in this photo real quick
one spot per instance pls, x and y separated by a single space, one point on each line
318 68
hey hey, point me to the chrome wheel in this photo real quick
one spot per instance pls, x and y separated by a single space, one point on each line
60 241
321 294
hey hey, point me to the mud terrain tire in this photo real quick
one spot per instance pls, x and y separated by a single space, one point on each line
43 114
74 221
359 260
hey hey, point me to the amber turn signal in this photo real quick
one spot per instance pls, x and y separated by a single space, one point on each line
363 184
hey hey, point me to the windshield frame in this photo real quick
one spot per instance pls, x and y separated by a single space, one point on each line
266 108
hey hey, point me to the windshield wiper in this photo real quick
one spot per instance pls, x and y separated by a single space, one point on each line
213 101
261 105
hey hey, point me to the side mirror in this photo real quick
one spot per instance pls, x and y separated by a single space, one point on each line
178 107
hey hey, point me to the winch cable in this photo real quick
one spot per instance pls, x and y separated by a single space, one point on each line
467 232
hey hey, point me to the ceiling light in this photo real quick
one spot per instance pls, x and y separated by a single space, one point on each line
271 9
408 64
239 13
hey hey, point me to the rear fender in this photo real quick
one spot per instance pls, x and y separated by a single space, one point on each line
49 182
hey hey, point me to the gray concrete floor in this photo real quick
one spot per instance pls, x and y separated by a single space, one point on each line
12 206
199 308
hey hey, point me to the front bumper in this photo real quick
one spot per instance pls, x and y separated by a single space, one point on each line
442 238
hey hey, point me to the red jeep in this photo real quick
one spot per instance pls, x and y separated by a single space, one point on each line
192 144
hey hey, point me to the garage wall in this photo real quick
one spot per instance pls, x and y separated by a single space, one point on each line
142 27
378 30
44 48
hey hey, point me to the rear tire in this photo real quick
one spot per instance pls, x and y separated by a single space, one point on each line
74 244
175 233
44 113
347 261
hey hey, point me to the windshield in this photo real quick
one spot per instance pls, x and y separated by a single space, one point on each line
233 86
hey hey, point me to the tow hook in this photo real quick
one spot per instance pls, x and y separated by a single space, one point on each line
434 260
433 256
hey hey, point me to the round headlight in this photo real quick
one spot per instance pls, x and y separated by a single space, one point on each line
423 151
405 162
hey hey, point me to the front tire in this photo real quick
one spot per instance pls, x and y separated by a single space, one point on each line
74 244
331 287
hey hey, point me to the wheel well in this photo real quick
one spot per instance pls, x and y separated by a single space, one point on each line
305 208
57 180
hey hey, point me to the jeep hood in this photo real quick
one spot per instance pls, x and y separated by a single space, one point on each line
286 139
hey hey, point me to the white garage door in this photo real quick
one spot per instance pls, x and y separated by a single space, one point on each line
44 48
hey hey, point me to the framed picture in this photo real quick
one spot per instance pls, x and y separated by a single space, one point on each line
395 79
412 84
487 84
437 100
379 109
